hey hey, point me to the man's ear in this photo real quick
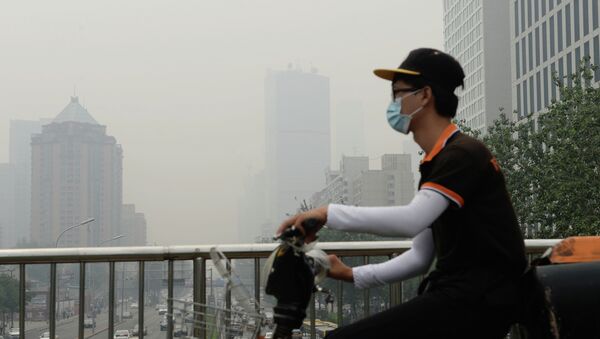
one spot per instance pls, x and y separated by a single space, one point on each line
427 96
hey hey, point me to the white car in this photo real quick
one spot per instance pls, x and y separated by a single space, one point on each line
46 335
13 333
122 334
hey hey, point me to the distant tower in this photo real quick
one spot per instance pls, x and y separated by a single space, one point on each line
297 138
76 174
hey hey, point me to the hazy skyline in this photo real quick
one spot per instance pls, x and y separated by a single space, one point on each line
180 85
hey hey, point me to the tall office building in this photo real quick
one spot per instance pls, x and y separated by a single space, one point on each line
20 157
8 239
76 174
297 138
477 34
349 130
133 228
549 37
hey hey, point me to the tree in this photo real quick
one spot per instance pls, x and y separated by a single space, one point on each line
551 164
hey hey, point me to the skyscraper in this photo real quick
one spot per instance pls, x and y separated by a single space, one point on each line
20 158
8 239
477 34
133 227
297 138
548 37
76 174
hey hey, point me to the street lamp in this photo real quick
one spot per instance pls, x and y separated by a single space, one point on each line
72 227
116 237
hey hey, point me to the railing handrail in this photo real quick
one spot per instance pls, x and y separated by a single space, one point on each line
189 252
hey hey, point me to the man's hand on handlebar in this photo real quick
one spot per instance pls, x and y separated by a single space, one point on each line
319 215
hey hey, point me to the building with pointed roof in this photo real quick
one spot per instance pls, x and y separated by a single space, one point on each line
76 174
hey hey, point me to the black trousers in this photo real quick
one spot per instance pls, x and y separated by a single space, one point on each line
433 315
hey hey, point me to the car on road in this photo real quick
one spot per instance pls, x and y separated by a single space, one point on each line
163 324
127 315
180 331
136 330
46 335
162 311
122 334
133 306
89 323
13 333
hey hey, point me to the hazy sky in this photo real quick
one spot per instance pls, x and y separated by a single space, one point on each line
180 85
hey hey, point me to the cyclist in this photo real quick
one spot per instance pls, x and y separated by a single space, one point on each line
461 216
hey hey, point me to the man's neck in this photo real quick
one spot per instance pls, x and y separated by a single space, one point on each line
428 132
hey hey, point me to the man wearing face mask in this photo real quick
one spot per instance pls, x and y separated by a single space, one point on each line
461 216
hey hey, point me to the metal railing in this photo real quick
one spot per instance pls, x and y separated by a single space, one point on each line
199 255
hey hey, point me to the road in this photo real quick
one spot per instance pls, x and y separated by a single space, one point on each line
67 329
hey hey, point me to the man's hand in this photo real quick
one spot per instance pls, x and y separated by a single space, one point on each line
319 214
339 270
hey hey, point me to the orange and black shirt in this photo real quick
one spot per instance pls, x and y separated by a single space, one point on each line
477 239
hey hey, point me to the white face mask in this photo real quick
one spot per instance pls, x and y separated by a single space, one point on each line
398 121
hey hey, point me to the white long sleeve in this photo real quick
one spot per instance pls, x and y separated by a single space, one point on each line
407 265
392 221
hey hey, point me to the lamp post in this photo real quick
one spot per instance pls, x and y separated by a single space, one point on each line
116 237
85 222
72 227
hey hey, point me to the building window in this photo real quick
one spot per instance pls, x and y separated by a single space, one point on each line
530 44
586 17
550 5
568 24
539 91
595 13
543 8
531 95
537 46
577 57
524 111
537 9
519 103
561 71
517 61
523 15
597 57
516 5
569 68
546 84
552 36
552 85
586 52
544 42
523 56
529 13
559 29
576 19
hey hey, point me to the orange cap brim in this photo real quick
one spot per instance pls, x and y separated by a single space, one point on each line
388 74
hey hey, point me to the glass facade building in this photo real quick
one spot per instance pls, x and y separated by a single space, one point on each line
549 37
476 33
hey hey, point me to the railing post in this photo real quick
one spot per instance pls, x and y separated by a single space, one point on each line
52 310
340 303
170 300
257 283
366 295
111 299
81 299
22 285
199 297
141 301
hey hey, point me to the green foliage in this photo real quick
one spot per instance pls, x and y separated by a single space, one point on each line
9 294
551 163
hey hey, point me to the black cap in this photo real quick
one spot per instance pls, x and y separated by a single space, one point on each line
435 67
